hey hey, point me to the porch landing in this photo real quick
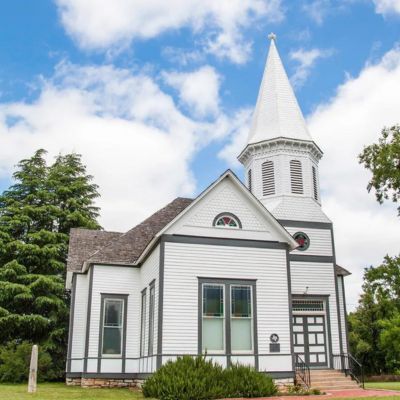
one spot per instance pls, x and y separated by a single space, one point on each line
331 394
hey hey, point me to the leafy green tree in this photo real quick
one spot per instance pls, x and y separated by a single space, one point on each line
373 324
36 214
383 160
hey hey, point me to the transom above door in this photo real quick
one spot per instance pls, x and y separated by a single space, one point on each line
309 338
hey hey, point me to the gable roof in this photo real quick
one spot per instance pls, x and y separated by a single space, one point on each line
83 243
127 248
228 174
277 112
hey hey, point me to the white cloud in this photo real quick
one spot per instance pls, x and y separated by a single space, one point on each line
364 230
386 7
306 60
133 137
198 90
103 24
317 10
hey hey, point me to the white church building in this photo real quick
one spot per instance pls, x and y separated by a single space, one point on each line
243 273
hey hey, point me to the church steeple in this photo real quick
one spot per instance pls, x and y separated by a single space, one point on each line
277 113
281 158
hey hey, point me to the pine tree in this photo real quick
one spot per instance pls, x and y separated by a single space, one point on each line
36 214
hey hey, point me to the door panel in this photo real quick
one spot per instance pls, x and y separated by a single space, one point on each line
309 339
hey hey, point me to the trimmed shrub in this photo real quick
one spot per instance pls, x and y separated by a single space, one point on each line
190 378
187 378
15 359
245 381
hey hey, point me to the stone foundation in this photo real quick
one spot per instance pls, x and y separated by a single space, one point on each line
104 382
283 383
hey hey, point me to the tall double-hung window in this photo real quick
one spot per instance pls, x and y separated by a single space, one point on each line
113 320
227 317
143 323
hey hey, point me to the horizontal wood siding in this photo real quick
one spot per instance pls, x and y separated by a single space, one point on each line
117 280
184 263
342 313
79 323
320 280
320 241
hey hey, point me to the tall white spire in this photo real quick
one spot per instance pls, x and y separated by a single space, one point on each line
277 113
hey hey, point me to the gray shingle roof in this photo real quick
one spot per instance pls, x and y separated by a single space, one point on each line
83 243
121 248
341 271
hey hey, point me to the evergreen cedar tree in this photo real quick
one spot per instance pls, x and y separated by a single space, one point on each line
36 215
375 325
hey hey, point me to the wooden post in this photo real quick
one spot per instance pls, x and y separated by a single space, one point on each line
33 370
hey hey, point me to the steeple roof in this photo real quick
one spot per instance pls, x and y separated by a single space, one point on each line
277 113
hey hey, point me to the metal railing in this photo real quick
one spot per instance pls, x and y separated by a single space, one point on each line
302 372
350 366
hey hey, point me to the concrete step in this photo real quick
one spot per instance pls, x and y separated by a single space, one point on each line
330 379
326 388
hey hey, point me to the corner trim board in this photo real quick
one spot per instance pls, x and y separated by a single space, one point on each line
160 303
89 310
71 321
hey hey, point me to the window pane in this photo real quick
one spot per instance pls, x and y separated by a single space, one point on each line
151 321
112 340
241 334
213 301
113 313
241 301
143 326
213 334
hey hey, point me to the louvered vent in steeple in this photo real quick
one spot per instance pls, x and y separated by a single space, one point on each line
268 178
315 186
249 182
296 177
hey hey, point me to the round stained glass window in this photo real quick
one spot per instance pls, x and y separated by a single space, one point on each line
227 221
303 240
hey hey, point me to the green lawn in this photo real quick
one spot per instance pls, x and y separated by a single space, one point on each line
59 391
383 385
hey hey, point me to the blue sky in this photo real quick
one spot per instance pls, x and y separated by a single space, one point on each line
157 98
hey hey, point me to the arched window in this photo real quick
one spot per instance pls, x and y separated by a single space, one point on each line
296 177
268 178
227 220
315 185
249 182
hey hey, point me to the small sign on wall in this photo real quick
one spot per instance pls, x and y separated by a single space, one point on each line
274 346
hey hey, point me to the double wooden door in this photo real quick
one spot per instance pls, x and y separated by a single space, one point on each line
309 338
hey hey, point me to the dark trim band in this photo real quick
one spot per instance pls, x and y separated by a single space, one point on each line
305 224
216 241
309 258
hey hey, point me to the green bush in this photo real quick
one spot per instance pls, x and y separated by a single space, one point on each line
15 359
190 378
244 381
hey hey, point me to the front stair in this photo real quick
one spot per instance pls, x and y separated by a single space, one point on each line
331 379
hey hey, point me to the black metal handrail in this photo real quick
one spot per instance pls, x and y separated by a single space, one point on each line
302 371
350 366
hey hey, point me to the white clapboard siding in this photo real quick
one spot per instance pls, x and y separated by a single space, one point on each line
79 323
342 313
320 241
184 263
149 272
318 278
115 280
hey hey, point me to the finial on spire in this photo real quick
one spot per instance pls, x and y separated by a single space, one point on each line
272 36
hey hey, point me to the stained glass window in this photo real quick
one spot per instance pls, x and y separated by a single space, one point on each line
303 240
227 221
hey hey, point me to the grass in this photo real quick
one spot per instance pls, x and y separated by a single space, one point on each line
59 391
383 385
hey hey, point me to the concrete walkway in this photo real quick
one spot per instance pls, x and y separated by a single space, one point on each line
331 394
